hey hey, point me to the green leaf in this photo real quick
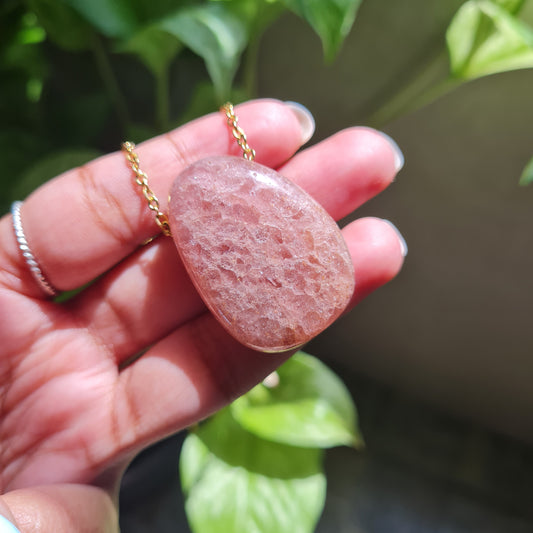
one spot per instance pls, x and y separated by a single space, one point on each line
527 175
309 407
63 25
113 18
214 33
156 48
49 167
235 482
484 38
511 6
331 19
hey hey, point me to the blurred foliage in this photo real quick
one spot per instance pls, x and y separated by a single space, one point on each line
310 407
78 76
488 37
527 175
257 465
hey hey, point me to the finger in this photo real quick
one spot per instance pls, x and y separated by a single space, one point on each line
86 220
354 166
378 251
151 294
62 509
199 368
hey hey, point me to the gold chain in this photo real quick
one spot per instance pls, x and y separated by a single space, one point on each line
247 152
141 178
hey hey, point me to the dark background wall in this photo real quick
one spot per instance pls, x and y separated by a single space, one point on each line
455 327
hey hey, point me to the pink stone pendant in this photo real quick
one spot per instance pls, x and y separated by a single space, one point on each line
266 258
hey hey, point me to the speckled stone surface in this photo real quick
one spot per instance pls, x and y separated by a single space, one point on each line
267 259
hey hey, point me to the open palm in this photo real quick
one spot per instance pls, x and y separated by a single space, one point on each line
134 357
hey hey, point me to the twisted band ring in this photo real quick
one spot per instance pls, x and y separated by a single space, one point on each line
26 252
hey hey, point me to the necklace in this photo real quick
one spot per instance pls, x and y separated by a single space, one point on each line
266 258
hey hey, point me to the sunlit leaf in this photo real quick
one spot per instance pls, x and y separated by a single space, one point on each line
235 482
484 38
511 6
31 32
527 175
309 407
331 19
215 34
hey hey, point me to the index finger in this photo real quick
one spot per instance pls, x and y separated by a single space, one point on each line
88 219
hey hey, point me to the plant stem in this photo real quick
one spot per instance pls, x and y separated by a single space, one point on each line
250 66
266 14
110 82
419 91
162 100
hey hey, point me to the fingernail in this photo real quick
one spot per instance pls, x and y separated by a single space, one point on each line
399 159
403 245
305 118
271 381
6 526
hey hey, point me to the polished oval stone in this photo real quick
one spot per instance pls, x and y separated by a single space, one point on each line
266 258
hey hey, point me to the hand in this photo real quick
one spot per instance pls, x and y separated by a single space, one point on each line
77 401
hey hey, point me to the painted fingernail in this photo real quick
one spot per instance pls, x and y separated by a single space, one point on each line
271 381
305 118
399 159
403 245
6 526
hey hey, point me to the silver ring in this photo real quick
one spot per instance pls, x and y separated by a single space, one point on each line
37 273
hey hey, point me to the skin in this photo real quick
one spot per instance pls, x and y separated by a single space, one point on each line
76 405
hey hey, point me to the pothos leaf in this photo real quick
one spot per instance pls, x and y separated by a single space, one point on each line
113 18
511 6
527 174
309 407
155 48
331 19
485 38
234 481
214 33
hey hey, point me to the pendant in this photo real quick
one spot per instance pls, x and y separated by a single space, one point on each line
266 258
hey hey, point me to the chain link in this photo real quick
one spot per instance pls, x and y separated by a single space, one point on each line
141 179
237 132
